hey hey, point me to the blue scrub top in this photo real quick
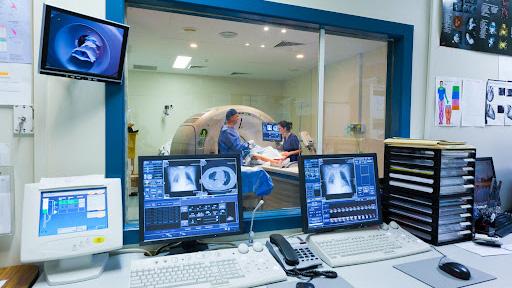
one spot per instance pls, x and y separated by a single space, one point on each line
291 143
230 143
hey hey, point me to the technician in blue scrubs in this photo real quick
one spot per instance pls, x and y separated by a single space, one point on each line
291 144
230 143
229 140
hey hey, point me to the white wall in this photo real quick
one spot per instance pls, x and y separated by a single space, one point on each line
148 92
69 127
492 141
415 13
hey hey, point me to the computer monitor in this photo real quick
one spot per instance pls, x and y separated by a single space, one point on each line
68 225
189 197
484 173
339 191
270 132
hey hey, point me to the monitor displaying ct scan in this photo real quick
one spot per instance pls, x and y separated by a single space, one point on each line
339 191
189 197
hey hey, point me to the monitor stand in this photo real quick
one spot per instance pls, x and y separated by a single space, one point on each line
188 247
75 269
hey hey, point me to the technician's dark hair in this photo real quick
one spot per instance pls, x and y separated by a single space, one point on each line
286 125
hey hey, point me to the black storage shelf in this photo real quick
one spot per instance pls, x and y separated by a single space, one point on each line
439 215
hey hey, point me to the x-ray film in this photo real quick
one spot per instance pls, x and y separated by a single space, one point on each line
183 178
338 180
218 179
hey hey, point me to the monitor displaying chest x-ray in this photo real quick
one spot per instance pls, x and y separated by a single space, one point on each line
189 197
339 191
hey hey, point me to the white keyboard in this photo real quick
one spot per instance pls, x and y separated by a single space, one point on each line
365 245
217 268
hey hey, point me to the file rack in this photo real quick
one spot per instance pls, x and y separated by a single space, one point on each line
429 191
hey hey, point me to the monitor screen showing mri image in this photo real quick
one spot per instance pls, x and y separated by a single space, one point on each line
200 177
337 179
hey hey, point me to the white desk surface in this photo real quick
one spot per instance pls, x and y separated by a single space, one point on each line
291 171
377 274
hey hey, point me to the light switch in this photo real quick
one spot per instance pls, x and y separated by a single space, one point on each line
23 120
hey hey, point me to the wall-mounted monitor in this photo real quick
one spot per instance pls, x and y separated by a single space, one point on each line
82 47
270 132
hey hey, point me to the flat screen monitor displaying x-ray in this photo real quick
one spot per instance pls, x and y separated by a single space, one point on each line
339 191
189 197
270 132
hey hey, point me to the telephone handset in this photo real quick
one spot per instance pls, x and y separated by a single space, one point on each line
292 256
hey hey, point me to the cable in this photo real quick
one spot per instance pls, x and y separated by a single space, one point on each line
442 258
166 246
311 273
131 250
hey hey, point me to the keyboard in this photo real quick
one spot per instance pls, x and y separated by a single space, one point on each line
366 245
217 268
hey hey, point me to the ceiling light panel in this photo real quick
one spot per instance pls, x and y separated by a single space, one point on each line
181 62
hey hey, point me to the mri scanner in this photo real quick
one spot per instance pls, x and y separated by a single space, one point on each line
199 134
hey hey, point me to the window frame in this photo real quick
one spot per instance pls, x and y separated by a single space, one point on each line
398 84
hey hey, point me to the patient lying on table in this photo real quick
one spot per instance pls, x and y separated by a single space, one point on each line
265 156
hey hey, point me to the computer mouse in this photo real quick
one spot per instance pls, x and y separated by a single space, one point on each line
455 269
304 285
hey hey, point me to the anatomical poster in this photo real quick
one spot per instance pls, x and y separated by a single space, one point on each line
498 103
478 25
448 95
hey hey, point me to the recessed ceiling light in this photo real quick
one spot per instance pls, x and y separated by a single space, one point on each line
228 34
262 45
265 28
299 56
247 44
189 29
181 62
193 45
283 30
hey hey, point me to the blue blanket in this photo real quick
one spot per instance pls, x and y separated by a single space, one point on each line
256 180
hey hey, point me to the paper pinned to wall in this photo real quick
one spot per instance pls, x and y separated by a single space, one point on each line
5 204
498 103
5 154
448 101
473 106
15 84
16 31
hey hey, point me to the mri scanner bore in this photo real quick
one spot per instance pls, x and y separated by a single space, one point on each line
199 177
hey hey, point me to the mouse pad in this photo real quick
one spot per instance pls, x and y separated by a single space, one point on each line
427 271
318 282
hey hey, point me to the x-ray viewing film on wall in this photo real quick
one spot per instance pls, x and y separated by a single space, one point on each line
477 25
498 103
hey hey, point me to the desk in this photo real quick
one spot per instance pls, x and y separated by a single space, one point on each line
378 274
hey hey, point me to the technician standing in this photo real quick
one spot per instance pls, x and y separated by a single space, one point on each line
229 140
291 144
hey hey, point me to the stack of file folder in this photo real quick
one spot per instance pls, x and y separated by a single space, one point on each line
428 190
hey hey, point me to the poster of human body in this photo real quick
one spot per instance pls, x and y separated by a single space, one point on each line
479 25
448 101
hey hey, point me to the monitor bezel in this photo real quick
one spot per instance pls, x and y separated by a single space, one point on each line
43 51
263 133
141 160
303 202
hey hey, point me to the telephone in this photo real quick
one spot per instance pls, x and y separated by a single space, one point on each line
292 256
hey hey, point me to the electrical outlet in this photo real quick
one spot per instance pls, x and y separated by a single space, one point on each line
23 120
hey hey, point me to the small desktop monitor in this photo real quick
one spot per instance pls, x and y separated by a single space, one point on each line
270 132
484 174
69 225
82 47
339 191
189 197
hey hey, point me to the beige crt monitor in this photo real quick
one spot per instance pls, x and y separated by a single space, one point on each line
69 225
